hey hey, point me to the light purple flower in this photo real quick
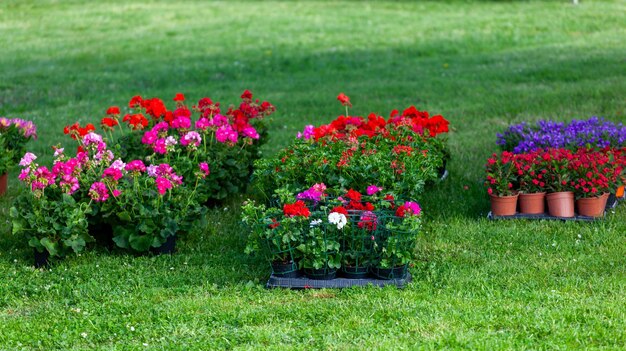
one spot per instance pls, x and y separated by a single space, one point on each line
191 138
27 159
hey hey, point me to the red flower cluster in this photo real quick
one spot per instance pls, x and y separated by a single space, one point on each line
109 123
296 209
75 130
587 172
136 121
419 122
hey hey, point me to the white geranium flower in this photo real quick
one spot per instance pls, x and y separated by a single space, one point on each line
339 219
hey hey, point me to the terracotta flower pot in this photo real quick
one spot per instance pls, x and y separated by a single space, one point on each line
532 203
592 206
503 205
561 204
4 183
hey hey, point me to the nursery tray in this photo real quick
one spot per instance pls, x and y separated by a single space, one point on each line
545 216
306 283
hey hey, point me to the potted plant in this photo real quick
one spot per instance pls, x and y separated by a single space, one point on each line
594 173
560 197
395 243
531 175
500 177
47 214
14 134
275 234
147 206
320 249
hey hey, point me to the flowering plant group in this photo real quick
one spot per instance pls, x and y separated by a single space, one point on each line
227 141
324 228
590 133
14 134
586 172
49 215
145 203
401 153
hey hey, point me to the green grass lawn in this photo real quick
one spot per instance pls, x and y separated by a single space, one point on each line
483 65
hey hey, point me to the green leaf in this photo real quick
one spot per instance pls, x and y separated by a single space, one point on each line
140 242
124 216
121 241
51 246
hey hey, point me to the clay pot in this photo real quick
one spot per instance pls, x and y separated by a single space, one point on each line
561 204
532 203
503 205
592 206
4 183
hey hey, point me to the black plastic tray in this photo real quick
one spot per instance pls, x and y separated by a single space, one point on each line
306 283
546 216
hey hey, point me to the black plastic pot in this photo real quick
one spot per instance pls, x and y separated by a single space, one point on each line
390 273
611 202
103 234
285 269
354 272
168 247
320 274
41 259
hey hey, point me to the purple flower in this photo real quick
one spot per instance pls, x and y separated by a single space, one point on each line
307 133
191 138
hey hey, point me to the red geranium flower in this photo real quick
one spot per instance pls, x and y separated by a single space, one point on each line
344 99
136 121
353 195
179 97
113 110
135 101
296 209
108 122
247 95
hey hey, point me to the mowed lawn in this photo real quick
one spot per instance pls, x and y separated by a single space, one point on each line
483 65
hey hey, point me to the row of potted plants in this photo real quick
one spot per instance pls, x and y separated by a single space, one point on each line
570 181
14 134
324 232
402 153
147 177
